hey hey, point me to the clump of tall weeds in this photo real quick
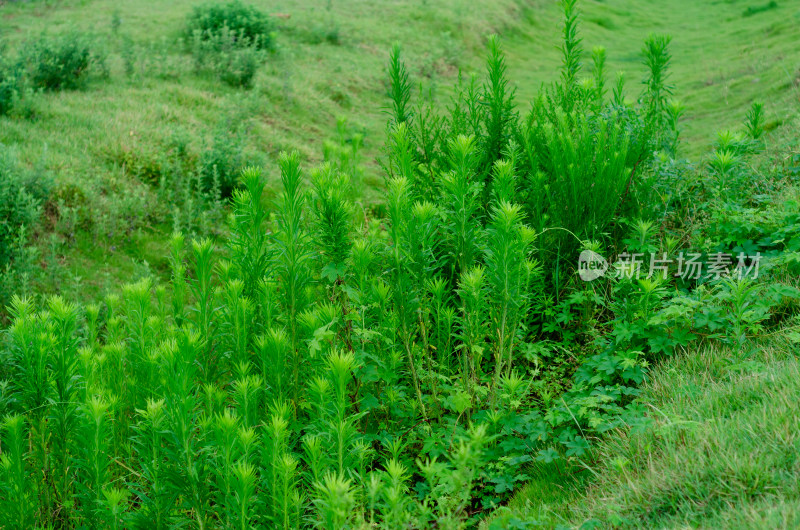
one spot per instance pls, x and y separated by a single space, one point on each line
572 164
229 40
331 370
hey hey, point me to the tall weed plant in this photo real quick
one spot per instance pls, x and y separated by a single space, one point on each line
573 163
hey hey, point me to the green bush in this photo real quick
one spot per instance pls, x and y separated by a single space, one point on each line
62 62
229 40
224 55
11 84
247 25
238 68
22 195
220 163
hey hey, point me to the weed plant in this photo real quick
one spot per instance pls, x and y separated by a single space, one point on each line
244 23
11 83
232 57
61 62
23 193
573 164
229 40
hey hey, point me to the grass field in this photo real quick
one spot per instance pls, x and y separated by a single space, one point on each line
721 451
722 58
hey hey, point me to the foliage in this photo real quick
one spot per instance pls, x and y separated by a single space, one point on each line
229 40
573 163
23 193
221 162
11 83
328 367
161 97
231 57
235 20
723 409
61 62
375 342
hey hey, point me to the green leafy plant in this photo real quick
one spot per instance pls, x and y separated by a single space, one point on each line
23 194
244 23
231 57
12 86
61 62
574 163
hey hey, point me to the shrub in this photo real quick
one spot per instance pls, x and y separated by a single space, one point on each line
229 40
224 55
220 163
11 84
247 25
62 62
22 195
574 162
327 31
237 68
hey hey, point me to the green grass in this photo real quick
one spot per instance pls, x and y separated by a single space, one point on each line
721 452
329 62
722 61
302 90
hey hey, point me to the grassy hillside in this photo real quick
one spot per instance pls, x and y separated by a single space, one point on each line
112 140
107 144
721 451
726 54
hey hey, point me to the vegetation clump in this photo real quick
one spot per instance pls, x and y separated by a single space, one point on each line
244 24
23 193
227 58
229 40
324 366
62 62
11 84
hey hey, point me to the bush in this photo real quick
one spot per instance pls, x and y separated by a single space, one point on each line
10 84
224 55
248 25
22 194
220 163
58 63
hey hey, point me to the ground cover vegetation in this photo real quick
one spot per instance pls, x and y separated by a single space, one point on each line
410 363
156 106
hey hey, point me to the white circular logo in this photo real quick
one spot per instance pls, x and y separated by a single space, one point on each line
591 265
